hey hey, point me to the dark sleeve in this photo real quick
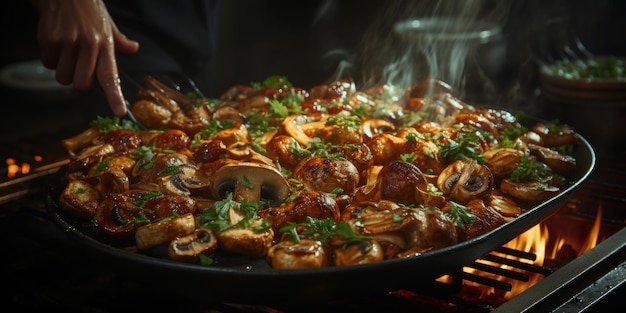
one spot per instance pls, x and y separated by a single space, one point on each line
175 37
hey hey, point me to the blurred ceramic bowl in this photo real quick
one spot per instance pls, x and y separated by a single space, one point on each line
592 100
30 80
602 79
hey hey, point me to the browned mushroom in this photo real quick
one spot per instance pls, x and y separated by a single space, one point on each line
485 219
360 252
411 230
150 173
462 181
328 175
110 180
502 161
182 181
150 114
308 253
170 140
162 232
80 199
372 126
251 182
559 163
115 216
90 156
300 127
167 205
565 136
246 241
532 192
281 148
189 248
385 147
302 204
75 144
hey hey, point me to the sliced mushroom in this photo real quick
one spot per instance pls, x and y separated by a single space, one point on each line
372 126
111 180
251 182
565 136
486 218
234 135
505 205
169 205
360 252
407 229
90 156
154 234
532 192
149 173
246 241
189 248
181 182
307 253
462 181
300 126
559 163
80 199
150 114
75 144
502 161
115 216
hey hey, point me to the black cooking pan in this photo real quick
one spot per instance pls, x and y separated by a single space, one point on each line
242 280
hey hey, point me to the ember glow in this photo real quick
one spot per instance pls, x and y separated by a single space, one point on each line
15 168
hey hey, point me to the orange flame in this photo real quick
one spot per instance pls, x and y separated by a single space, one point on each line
537 241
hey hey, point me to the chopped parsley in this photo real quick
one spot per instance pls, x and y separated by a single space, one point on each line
460 215
528 170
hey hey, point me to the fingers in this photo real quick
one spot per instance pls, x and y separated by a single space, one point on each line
122 43
66 65
84 74
107 74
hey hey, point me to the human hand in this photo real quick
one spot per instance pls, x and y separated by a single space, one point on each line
78 39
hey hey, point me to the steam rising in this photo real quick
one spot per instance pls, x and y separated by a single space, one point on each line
413 40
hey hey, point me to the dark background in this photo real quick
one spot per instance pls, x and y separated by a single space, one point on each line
293 38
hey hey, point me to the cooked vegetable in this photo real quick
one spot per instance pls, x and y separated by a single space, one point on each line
329 176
